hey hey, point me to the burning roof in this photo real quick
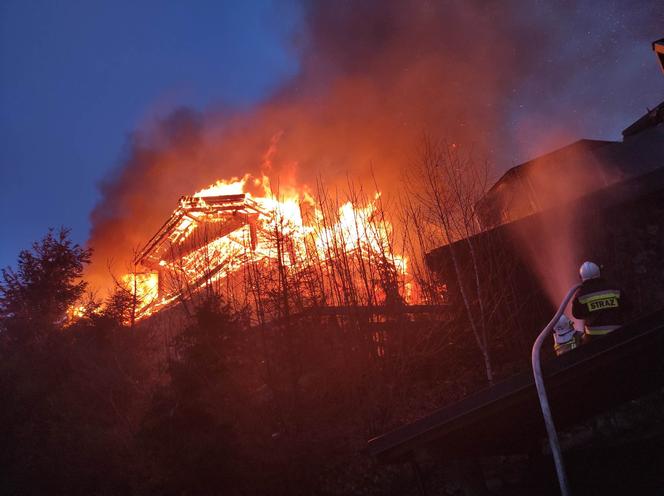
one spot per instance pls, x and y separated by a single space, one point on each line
220 216
234 235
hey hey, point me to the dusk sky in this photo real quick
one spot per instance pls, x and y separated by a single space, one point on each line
76 78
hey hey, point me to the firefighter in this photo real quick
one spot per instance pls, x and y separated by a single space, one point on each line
565 336
599 303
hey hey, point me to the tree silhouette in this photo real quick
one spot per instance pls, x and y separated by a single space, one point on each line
69 394
35 297
188 431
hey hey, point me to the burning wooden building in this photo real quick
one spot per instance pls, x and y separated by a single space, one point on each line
254 247
204 239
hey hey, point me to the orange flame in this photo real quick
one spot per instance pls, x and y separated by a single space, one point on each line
200 247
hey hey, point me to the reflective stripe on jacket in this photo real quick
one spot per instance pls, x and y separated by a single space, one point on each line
600 330
599 300
601 305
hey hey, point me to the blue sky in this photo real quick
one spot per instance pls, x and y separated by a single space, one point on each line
76 77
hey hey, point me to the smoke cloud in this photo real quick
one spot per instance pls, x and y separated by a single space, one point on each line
374 77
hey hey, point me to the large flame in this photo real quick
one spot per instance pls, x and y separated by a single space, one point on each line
374 77
222 229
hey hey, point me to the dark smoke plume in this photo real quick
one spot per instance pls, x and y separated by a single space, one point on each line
375 76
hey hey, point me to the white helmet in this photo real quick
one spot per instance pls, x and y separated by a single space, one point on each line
589 270
563 326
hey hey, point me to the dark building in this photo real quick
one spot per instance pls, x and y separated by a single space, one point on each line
591 200
606 199
575 170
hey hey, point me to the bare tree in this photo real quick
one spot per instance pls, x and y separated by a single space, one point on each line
445 189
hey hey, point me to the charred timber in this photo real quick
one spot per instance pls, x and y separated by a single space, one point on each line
236 209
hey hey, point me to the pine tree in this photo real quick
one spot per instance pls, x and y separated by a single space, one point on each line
35 297
189 431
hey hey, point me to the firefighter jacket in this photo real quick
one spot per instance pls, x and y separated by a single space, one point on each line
601 305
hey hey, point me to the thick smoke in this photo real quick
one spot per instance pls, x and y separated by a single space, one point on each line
375 77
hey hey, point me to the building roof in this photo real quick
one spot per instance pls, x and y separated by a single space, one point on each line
220 214
506 418
575 170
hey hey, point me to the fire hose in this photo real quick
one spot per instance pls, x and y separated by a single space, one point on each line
544 400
